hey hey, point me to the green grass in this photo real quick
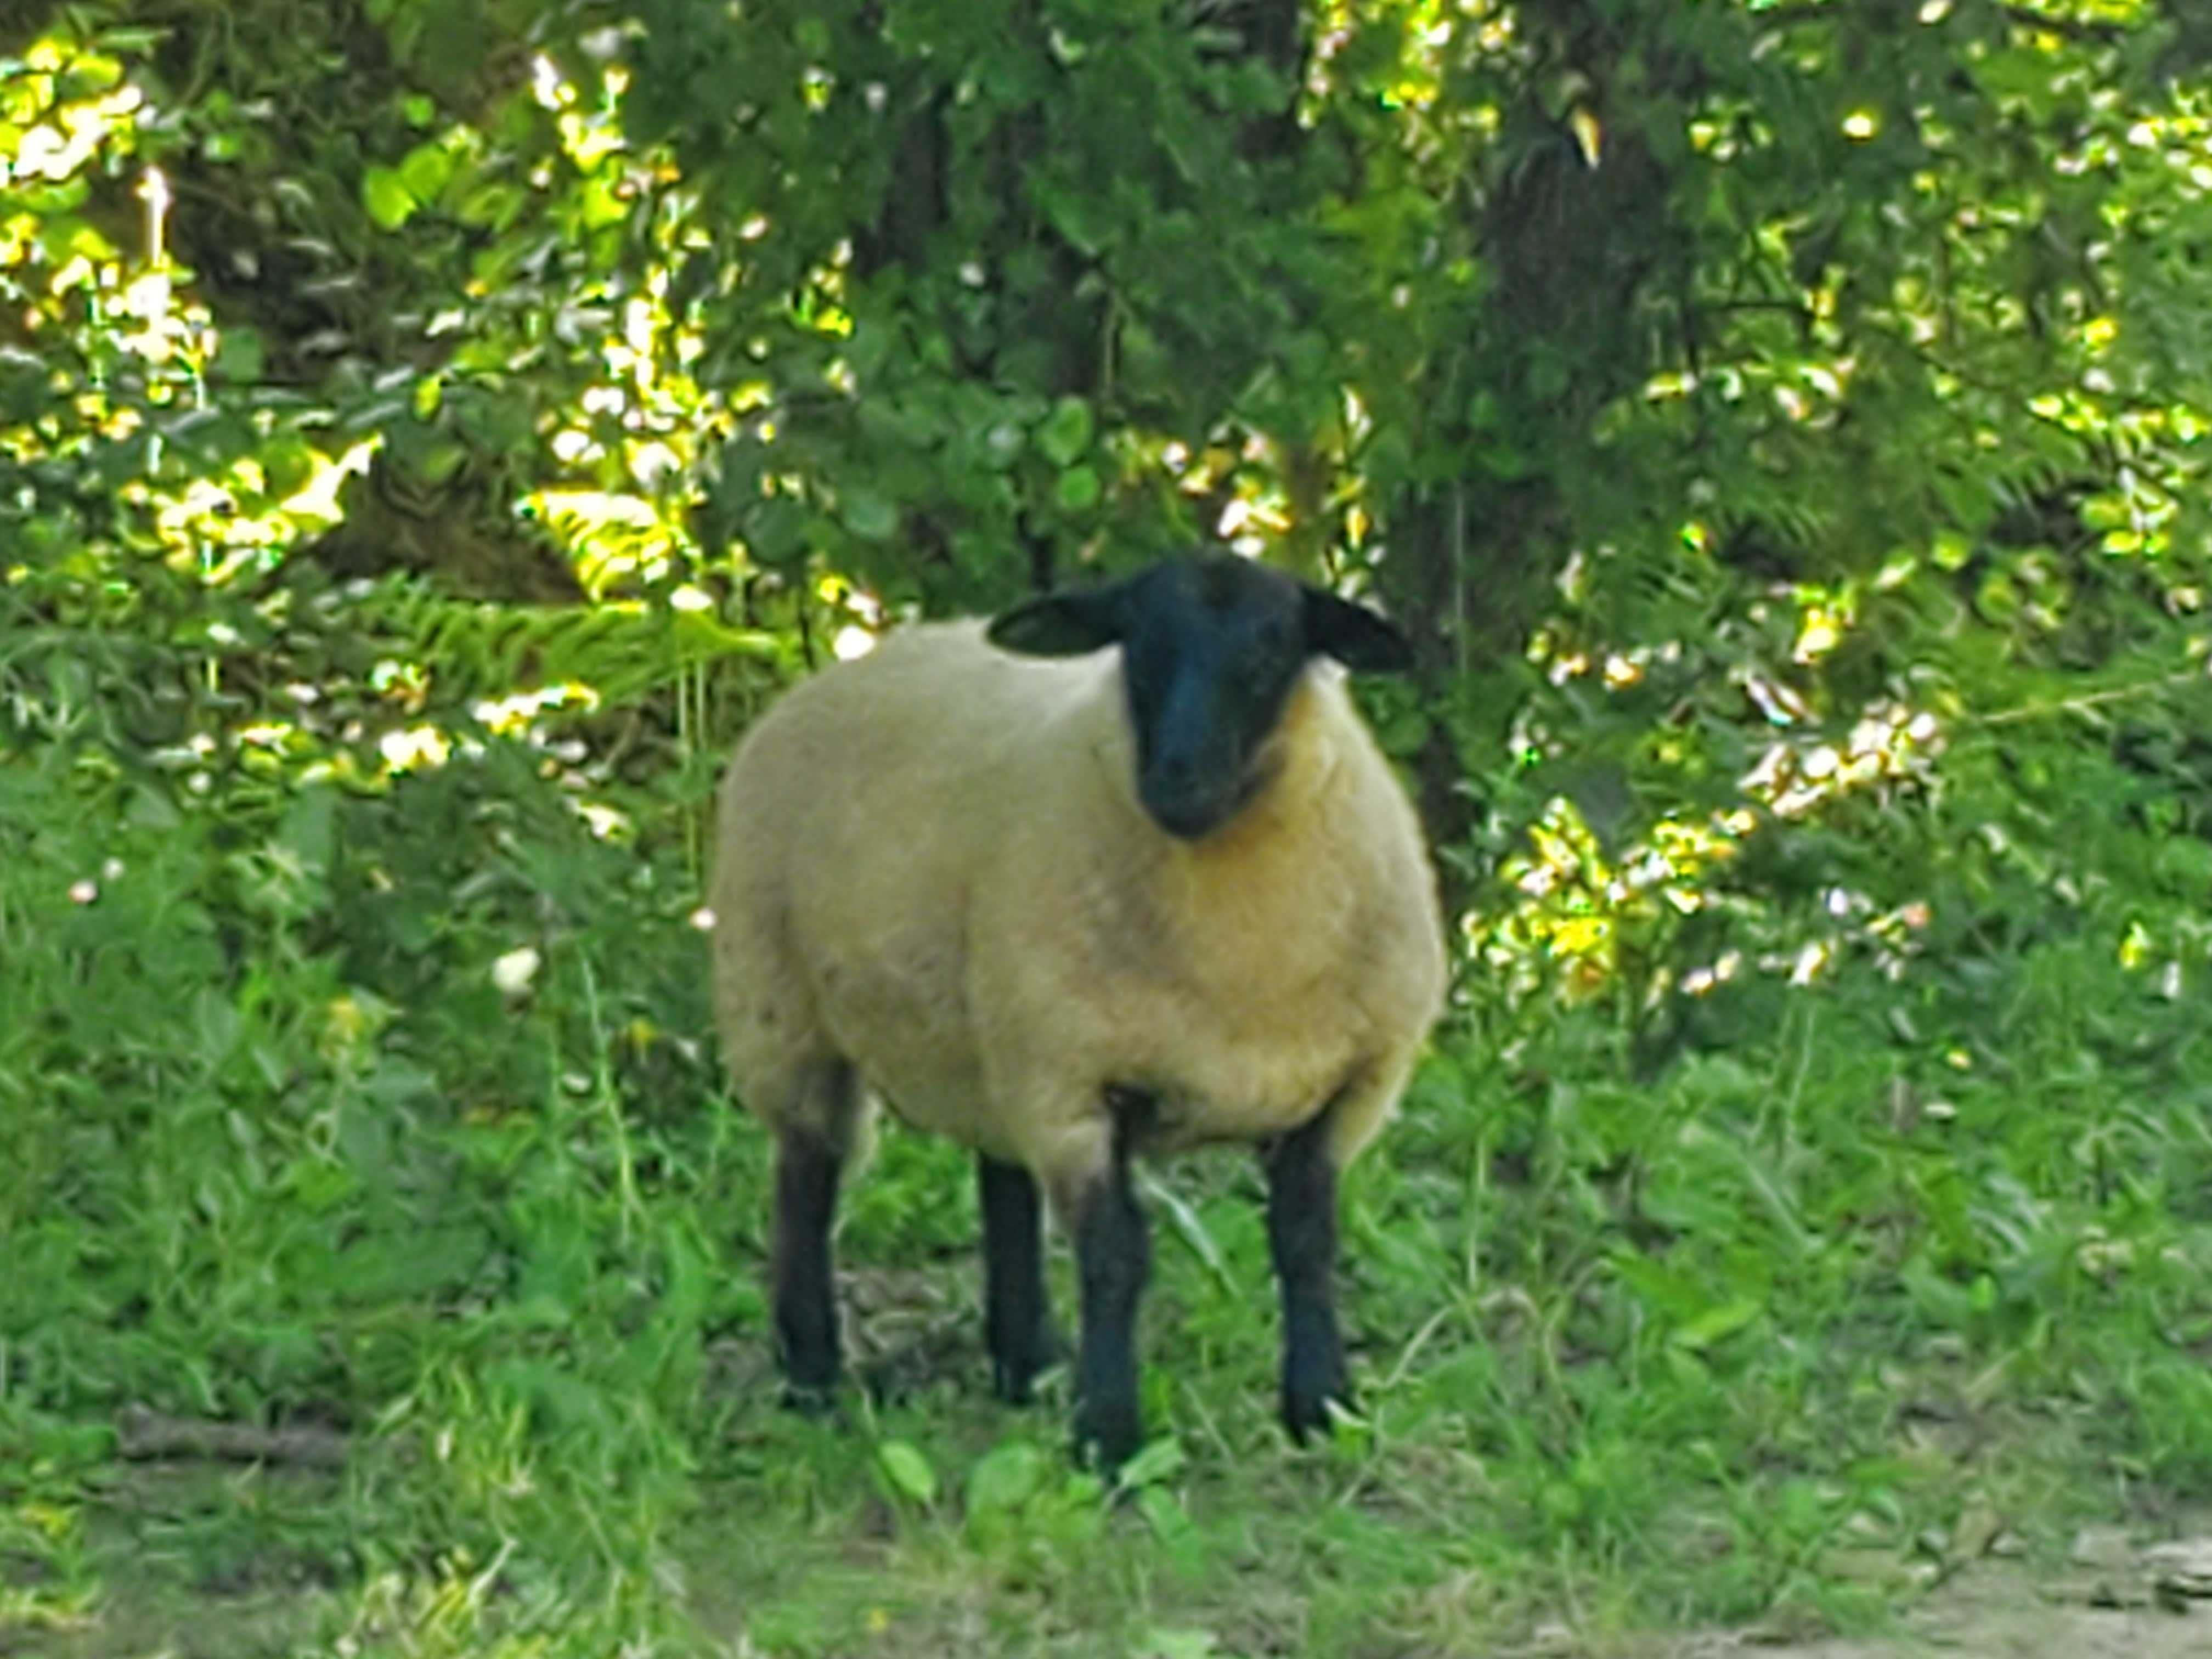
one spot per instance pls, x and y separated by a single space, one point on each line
1858 1333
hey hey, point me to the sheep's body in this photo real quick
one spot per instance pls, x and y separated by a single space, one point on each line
1073 905
932 866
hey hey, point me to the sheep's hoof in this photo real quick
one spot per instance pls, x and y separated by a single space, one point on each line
1013 1385
1306 1411
1108 1435
811 1399
1013 1376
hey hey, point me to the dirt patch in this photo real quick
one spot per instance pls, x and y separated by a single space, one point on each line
2112 1601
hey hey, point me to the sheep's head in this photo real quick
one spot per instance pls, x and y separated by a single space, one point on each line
1211 648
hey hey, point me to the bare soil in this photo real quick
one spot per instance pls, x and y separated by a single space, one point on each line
2120 1603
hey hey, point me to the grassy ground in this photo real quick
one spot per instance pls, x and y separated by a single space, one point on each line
1833 1243
1275 1555
1563 1447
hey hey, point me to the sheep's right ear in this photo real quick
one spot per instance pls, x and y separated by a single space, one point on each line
1060 624
1362 641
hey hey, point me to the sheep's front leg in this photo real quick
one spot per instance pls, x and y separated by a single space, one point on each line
1017 1314
1301 1237
1089 1179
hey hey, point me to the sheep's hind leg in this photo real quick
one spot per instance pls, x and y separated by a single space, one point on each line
1302 1237
1017 1314
810 1150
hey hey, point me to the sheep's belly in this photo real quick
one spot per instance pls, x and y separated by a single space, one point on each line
1187 1071
1272 1094
1215 1075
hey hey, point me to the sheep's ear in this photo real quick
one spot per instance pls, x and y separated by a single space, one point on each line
1354 635
1061 624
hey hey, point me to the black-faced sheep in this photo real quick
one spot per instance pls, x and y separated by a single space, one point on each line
1067 911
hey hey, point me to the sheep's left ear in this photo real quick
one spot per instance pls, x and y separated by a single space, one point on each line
1061 624
1354 635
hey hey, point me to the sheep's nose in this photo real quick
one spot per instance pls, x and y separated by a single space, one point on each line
1178 793
1176 772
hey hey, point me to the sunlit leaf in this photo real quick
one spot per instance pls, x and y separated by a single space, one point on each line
385 193
423 173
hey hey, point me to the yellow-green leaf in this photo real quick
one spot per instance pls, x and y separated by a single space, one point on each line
907 1471
387 198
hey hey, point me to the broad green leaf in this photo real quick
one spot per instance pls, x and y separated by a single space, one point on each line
907 1471
1079 489
1005 1477
425 172
1066 435
384 193
1085 220
870 516
1157 1461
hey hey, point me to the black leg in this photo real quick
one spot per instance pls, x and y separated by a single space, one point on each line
1113 1255
806 1169
1017 1319
1301 1237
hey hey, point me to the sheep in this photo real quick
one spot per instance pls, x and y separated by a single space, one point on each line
1068 905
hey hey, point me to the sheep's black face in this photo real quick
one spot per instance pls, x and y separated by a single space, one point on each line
1211 648
1209 654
